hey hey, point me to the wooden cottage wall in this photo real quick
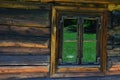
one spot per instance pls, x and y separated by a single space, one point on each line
25 41
113 42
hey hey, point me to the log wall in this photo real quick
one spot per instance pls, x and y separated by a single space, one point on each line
113 43
24 41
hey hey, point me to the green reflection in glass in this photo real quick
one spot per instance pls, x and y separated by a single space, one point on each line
69 46
89 41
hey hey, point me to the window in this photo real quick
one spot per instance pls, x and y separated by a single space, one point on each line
78 42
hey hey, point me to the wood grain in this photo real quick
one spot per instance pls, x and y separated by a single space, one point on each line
25 31
21 44
74 69
24 17
24 41
23 51
24 59
85 1
23 69
13 76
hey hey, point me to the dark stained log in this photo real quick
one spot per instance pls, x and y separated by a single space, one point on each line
115 31
109 47
24 59
4 29
25 31
23 50
24 4
113 53
25 17
83 1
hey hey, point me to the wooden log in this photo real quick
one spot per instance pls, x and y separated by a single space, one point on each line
28 39
21 50
23 44
94 69
25 31
109 47
23 69
114 69
24 60
24 17
113 52
24 76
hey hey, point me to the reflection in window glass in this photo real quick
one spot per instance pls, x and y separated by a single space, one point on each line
89 41
69 46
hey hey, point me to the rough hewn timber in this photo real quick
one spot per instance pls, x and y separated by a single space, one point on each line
25 17
23 50
23 69
24 60
25 31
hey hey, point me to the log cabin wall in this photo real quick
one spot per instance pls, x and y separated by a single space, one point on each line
25 41
113 42
25 36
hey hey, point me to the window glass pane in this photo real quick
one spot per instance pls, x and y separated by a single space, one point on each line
69 46
89 41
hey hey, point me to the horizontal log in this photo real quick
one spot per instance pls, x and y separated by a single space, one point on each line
23 76
24 31
109 47
23 69
116 65
24 59
31 39
24 4
113 52
21 50
83 1
114 69
78 70
23 44
25 17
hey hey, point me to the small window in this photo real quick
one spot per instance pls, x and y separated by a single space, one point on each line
78 42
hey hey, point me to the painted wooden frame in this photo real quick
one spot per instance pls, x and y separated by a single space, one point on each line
65 72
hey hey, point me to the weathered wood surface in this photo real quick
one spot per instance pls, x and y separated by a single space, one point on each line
114 52
87 1
23 69
25 17
117 68
23 50
24 60
23 76
24 41
22 44
70 70
25 31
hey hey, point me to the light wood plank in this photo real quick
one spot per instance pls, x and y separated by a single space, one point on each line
22 44
74 69
23 69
